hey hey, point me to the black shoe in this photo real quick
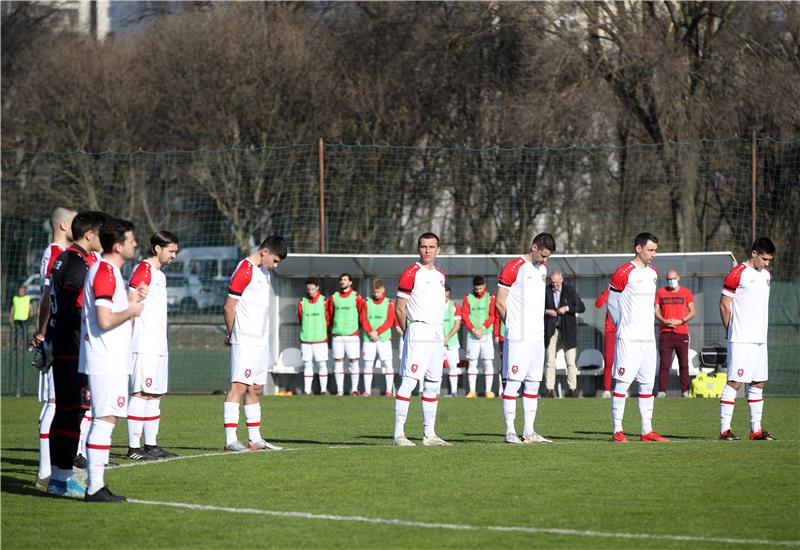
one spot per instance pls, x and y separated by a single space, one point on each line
138 454
550 394
572 393
103 495
80 462
154 451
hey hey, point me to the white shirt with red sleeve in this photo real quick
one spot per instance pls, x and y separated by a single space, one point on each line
150 328
749 288
635 289
250 285
48 259
424 289
526 283
104 352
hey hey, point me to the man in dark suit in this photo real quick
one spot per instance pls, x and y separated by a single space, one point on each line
561 304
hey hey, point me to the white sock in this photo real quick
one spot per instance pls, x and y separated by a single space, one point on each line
646 407
45 419
152 421
430 403
618 403
86 423
530 404
308 376
98 448
500 390
472 374
367 379
354 376
453 384
510 405
136 415
726 403
231 417
401 403
388 374
252 415
488 375
322 369
755 400
338 373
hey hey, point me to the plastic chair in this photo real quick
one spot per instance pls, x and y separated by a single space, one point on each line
694 363
590 361
290 360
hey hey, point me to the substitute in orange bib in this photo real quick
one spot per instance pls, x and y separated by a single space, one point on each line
674 309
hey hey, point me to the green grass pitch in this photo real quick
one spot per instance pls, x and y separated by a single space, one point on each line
340 484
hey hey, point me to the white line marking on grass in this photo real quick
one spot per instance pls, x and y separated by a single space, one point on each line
467 527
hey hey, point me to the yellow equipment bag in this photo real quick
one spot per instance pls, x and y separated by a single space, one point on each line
708 385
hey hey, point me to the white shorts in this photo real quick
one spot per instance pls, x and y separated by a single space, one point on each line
382 349
317 352
483 348
109 395
249 364
452 358
747 362
150 373
47 388
423 352
346 345
523 361
635 359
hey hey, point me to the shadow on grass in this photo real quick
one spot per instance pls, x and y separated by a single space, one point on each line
607 435
17 486
20 462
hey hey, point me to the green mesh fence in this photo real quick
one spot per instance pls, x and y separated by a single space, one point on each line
695 196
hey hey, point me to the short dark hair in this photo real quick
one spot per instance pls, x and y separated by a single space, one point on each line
544 241
428 235
642 238
161 238
113 232
345 275
763 245
377 283
88 220
276 245
478 280
312 281
447 288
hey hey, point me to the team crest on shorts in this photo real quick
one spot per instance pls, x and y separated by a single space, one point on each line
247 373
740 372
621 371
148 382
414 367
121 401
514 369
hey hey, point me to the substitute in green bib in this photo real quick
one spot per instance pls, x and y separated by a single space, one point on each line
452 323
314 325
20 314
344 309
377 320
477 313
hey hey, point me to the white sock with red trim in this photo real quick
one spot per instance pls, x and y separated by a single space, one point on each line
338 373
308 376
646 407
152 415
388 374
401 403
727 400
488 375
472 374
322 370
368 379
453 384
136 408
45 419
510 405
618 403
231 418
86 423
755 400
355 375
98 448
430 403
252 415
530 404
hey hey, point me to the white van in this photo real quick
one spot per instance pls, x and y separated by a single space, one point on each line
208 263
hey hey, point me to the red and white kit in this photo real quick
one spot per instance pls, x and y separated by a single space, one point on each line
250 285
149 351
747 329
423 342
105 354
47 389
635 350
523 347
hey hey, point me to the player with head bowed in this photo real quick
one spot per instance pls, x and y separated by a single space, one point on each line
377 319
520 303
420 314
744 308
108 310
246 313
314 325
344 308
631 299
149 350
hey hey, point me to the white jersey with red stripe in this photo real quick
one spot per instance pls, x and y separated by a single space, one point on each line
150 328
636 294
423 287
48 259
104 351
749 288
250 285
526 283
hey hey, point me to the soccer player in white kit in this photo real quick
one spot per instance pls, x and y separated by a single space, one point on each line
520 303
60 223
377 319
744 308
314 325
420 313
246 313
108 309
477 314
149 350
452 323
631 304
